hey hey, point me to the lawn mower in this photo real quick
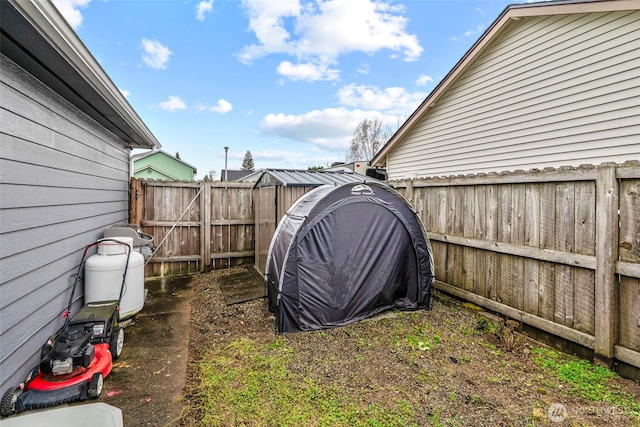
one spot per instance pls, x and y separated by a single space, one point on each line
76 359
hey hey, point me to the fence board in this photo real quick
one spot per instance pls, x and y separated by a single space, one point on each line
564 238
480 225
468 229
584 280
546 285
505 207
265 219
531 239
440 251
629 310
491 215
518 215
456 221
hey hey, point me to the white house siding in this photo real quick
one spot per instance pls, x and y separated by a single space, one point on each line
549 91
63 180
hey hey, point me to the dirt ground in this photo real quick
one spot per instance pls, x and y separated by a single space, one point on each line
471 378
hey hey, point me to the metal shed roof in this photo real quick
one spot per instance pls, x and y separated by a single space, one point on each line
292 178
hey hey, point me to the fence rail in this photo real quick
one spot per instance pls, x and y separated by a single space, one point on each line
557 249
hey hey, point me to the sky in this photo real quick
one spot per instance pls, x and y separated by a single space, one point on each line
287 80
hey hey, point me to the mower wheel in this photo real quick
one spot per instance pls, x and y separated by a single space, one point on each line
9 399
95 386
117 343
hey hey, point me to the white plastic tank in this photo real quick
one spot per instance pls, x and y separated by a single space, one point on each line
103 275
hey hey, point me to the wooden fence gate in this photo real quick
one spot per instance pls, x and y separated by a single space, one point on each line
198 225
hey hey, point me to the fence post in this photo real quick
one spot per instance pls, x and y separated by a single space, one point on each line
606 289
205 226
409 191
136 201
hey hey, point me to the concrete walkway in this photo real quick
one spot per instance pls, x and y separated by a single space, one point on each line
147 381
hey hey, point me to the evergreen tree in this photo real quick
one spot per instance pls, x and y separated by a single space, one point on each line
247 163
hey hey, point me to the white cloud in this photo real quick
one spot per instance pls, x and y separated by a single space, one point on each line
307 71
203 8
392 100
223 106
70 10
319 32
363 68
124 92
423 79
173 103
476 31
329 129
156 55
266 20
291 158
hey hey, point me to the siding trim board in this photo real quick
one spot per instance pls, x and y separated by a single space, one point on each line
563 80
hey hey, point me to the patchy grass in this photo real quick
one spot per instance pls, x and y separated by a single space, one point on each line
591 382
248 383
445 367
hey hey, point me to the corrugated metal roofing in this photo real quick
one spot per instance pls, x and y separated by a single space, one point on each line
292 177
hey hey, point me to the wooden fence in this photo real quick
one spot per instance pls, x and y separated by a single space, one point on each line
271 205
558 249
198 226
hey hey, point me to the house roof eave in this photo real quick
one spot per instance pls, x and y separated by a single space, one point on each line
155 170
36 37
139 156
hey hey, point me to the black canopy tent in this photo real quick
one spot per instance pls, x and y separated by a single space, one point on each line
345 253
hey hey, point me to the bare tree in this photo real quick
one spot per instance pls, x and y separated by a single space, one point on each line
368 138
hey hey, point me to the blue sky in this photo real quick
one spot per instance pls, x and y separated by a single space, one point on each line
288 80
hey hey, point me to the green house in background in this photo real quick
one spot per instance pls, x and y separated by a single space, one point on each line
158 164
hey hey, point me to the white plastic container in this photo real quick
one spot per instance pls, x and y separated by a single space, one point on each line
96 414
103 276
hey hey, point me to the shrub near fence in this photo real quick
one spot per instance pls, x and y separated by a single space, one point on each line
558 249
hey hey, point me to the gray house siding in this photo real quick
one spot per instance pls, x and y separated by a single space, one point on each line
63 180
557 89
